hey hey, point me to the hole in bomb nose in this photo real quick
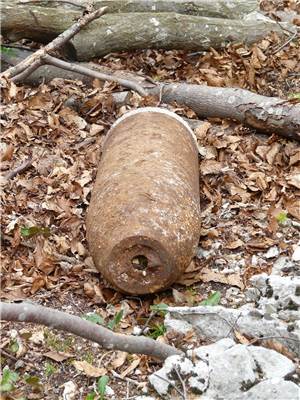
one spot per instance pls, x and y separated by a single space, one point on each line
140 262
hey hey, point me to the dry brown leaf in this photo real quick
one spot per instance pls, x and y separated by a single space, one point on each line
294 180
58 355
37 284
295 158
206 275
241 338
261 243
213 167
201 130
119 360
293 208
88 369
131 367
271 154
234 244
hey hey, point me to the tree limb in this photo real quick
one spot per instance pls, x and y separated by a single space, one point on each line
266 114
28 312
58 42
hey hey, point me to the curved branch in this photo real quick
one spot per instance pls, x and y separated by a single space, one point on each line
28 312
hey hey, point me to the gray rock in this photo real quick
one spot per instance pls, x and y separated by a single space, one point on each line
279 293
215 323
231 371
282 264
195 374
144 398
177 325
272 252
228 371
273 389
271 363
199 381
204 352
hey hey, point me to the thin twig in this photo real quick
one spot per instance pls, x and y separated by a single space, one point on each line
94 74
8 355
182 383
170 383
21 168
126 379
152 313
286 43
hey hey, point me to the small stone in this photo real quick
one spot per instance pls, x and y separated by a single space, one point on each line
282 264
272 252
296 254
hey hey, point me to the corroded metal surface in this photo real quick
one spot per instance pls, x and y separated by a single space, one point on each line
143 222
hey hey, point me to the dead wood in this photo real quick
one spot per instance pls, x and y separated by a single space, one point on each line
218 8
28 312
132 31
266 114
34 61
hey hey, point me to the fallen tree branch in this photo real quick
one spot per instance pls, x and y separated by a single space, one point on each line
34 60
28 312
46 59
266 114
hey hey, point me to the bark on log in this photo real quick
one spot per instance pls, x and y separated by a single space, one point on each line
266 114
219 8
131 31
28 312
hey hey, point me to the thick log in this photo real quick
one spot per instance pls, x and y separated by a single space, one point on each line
131 31
232 9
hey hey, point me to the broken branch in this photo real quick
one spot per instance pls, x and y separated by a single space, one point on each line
28 312
58 42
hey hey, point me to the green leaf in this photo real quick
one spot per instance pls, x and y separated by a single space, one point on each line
28 232
90 396
32 380
161 307
14 346
157 330
8 379
294 96
281 217
95 318
8 50
212 300
115 321
101 385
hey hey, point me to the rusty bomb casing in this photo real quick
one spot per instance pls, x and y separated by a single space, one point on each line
143 221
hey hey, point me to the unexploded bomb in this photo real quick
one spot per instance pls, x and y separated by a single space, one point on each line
143 221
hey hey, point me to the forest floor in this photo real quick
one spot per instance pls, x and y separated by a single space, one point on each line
250 205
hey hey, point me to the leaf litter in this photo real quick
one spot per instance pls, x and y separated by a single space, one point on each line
246 180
